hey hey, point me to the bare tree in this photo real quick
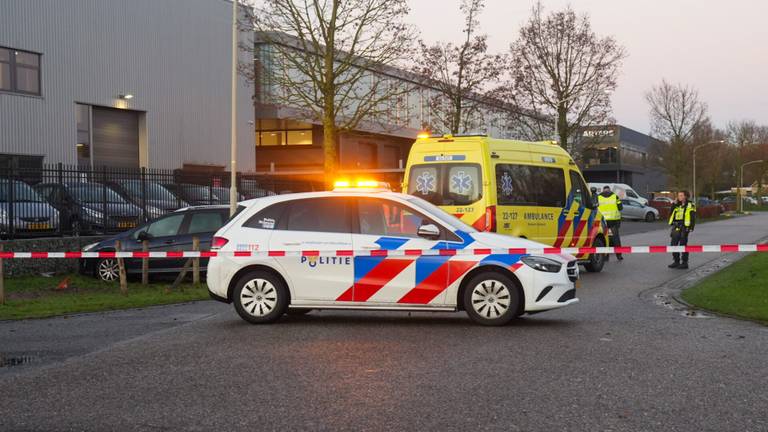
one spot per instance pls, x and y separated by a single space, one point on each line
323 59
461 73
676 110
715 167
751 142
561 68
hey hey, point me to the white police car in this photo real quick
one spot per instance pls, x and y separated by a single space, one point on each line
408 255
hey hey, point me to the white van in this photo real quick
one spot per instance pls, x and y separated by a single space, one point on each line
624 191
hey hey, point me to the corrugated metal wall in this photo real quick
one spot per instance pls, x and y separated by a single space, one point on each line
172 55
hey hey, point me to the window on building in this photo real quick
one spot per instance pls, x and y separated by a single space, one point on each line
298 137
5 69
273 132
83 145
271 138
366 155
389 157
19 71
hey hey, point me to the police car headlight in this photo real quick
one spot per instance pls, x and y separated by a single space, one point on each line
542 264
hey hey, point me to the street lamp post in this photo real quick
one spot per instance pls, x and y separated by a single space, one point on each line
739 202
693 191
233 132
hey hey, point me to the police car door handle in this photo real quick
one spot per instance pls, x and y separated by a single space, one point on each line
371 247
291 243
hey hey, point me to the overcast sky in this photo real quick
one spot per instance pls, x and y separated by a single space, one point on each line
720 47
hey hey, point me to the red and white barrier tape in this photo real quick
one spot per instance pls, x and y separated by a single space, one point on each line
399 252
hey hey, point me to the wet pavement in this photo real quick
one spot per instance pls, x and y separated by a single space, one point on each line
619 360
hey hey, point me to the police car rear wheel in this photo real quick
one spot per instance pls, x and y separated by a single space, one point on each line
260 297
491 299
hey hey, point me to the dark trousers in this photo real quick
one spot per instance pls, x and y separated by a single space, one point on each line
679 238
615 237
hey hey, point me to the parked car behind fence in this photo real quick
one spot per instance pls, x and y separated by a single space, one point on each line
171 232
24 212
89 200
89 208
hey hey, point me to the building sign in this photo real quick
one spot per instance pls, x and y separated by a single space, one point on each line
598 133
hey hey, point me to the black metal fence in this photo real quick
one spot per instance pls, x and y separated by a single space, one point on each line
64 200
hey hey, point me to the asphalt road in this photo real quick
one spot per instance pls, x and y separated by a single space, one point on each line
617 361
639 227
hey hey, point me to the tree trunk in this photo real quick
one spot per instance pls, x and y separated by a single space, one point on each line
330 151
562 126
456 120
330 132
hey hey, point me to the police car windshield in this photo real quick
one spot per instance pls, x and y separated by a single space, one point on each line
438 213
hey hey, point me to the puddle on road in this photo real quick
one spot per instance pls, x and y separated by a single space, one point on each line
665 301
10 360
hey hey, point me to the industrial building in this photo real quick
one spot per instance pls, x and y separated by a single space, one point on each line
146 83
128 84
618 154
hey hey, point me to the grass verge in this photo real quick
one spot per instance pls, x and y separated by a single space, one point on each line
755 208
38 297
740 289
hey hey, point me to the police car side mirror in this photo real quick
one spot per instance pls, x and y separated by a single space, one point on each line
429 231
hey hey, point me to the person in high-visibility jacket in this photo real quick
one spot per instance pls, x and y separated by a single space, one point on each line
682 219
610 206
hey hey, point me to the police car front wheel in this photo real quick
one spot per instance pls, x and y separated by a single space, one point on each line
260 297
491 299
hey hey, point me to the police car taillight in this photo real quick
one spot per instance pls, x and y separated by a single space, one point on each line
218 243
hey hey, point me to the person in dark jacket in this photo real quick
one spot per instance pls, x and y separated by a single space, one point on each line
682 219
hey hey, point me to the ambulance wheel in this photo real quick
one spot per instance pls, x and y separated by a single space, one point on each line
298 311
491 299
596 261
260 297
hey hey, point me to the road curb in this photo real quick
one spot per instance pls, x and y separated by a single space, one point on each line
669 294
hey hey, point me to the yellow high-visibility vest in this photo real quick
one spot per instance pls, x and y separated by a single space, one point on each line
682 213
609 207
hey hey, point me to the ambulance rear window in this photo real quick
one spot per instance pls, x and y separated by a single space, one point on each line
446 184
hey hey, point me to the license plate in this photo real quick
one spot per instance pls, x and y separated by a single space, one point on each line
126 224
38 226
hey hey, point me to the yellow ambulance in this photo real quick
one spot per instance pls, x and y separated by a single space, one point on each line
524 189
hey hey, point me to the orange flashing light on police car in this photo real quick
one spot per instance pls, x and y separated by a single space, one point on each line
364 184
